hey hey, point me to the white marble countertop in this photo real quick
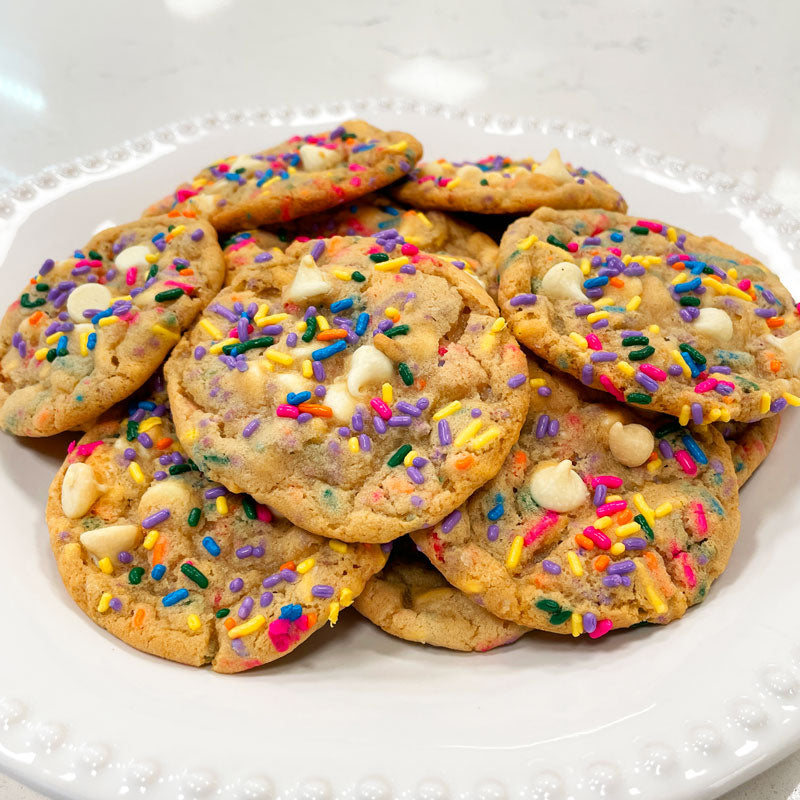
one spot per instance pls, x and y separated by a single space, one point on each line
709 83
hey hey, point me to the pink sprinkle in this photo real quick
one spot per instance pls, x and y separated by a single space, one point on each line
91 262
383 411
684 257
726 383
356 168
263 513
223 167
706 386
279 634
744 284
572 247
184 194
238 245
615 250
686 462
547 521
607 509
303 238
612 481
354 181
608 385
653 372
130 275
426 178
88 448
598 537
700 516
593 341
303 622
444 181
409 249
691 579
603 627
185 286
656 227
71 446
286 410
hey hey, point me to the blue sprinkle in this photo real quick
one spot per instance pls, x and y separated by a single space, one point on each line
211 546
175 597
295 399
694 449
391 210
100 315
158 236
292 611
616 237
688 286
496 512
267 175
362 323
158 572
61 347
330 350
693 368
147 405
341 305
591 283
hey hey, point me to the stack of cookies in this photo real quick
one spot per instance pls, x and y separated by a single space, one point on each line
307 382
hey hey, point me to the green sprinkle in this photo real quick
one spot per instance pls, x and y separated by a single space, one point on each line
648 531
26 302
689 301
95 255
249 506
378 258
133 430
550 606
177 469
484 182
399 455
250 344
643 353
153 271
222 613
405 373
630 341
696 355
358 277
708 271
640 229
665 430
135 575
560 617
51 355
192 465
194 574
311 329
194 517
42 287
556 242
397 330
169 294
639 397
170 228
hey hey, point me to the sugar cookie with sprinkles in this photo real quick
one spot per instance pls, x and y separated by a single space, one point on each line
411 600
175 565
502 185
303 175
600 518
88 331
750 444
363 389
652 314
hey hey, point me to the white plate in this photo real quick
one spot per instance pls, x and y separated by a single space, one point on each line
686 711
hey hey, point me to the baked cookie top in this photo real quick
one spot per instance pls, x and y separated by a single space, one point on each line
300 176
175 565
750 444
411 600
501 185
652 314
360 387
89 330
598 519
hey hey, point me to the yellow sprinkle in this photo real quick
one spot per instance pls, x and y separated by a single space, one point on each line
627 529
162 330
387 395
337 546
479 442
151 258
136 472
251 626
342 276
791 399
398 146
683 417
663 510
498 325
672 235
654 329
392 264
427 222
579 340
603 302
409 459
176 231
193 621
537 382
644 509
268 366
472 587
84 343
269 182
601 523
305 565
322 323
263 310
150 540
586 266
346 597
467 433
222 505
149 423
625 368
574 563
105 601
654 466
191 435
291 170
734 291
596 315
308 370
333 613
725 416
710 283
527 242
714 414
41 354
105 565
677 357
515 552
450 185
106 321
733 273
679 278
280 358
301 326
353 444
656 600
765 402
211 329
633 303
216 349
447 410
577 624
617 549
393 313
54 337
612 498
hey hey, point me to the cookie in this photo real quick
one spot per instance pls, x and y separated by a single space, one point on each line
363 389
652 314
600 518
750 444
501 185
300 176
175 565
435 232
88 331
411 600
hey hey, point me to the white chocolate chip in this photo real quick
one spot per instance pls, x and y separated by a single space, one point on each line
291 382
553 167
134 256
309 282
790 348
93 296
470 173
341 402
166 494
558 488
111 541
79 490
247 162
563 281
630 444
205 201
316 158
368 368
716 323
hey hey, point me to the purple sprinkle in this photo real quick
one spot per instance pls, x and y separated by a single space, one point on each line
600 492
541 426
144 440
552 428
635 543
322 590
451 520
262 257
379 424
587 374
589 622
176 458
318 249
251 428
265 599
419 462
311 311
124 557
156 519
318 370
197 234
720 368
245 607
415 475
778 405
291 339
612 580
343 431
423 403
258 551
515 381
674 369
223 312
130 454
271 581
766 312
115 603
621 567
160 475
357 421
697 413
445 437
138 415
523 300
646 381
582 309
305 417
665 448
601 323
399 421
242 329
273 330
407 408
551 567
544 391
602 355
364 442
236 585
492 533
289 575
47 266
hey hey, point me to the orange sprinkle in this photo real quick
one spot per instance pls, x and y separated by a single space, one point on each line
775 365
331 334
312 618
33 281
288 565
138 618
584 541
315 410
650 558
163 444
601 562
229 623
421 383
776 322
624 516
159 550
465 462
520 459
678 266
186 271
653 456
35 317
715 277
615 281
